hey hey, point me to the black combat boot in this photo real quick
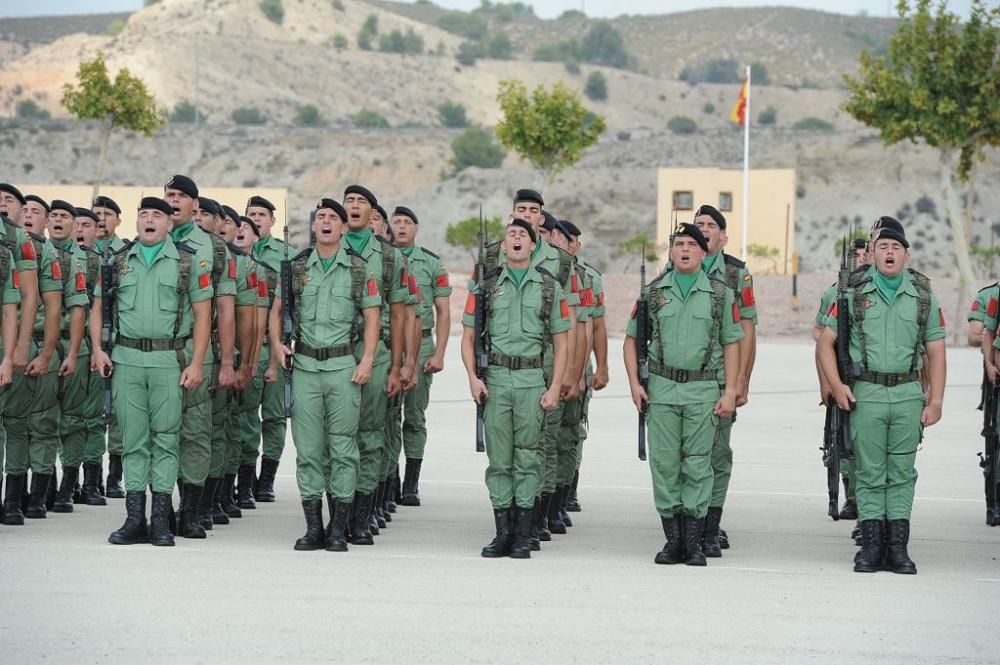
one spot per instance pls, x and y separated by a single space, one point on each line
64 497
52 491
897 559
556 525
205 500
411 483
226 497
219 515
573 503
265 484
134 529
869 557
378 507
336 530
542 519
694 527
360 533
91 492
520 547
672 551
12 515
372 523
396 491
159 529
710 546
500 545
313 540
856 533
849 511
246 500
723 539
563 494
115 489
36 499
187 524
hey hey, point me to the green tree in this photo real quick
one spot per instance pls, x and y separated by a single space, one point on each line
115 27
759 75
813 124
184 111
464 234
550 129
452 115
403 43
340 42
604 45
27 109
597 87
633 248
938 82
368 32
274 10
475 147
765 253
123 104
768 116
681 124
308 115
248 115
368 119
709 108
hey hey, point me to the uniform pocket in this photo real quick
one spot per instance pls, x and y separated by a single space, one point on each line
128 289
499 316
308 302
341 305
166 287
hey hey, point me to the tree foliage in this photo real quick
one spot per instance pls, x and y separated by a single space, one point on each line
408 43
308 115
549 128
452 115
813 123
475 147
27 109
368 119
184 111
681 124
464 234
768 116
248 115
368 32
597 87
601 45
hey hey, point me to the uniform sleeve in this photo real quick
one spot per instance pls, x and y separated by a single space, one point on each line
400 283
977 310
11 294
935 322
830 320
200 281
25 257
261 281
824 304
246 284
572 289
730 331
746 301
469 313
227 280
50 277
559 316
371 297
75 286
583 309
597 289
442 282
991 308
414 297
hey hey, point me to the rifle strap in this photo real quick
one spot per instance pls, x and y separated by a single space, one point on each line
183 278
718 307
548 300
93 271
5 263
297 287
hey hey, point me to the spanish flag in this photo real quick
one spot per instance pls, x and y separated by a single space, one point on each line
739 112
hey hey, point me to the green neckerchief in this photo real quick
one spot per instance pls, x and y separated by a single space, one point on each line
685 282
709 262
150 252
66 245
326 263
407 251
99 244
259 246
358 240
887 286
517 274
181 232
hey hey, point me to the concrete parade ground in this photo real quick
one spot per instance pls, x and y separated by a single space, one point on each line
783 593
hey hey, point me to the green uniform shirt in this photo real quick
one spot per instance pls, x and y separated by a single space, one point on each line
271 251
584 292
596 291
147 303
987 301
397 288
825 303
327 308
74 279
516 324
25 253
11 294
432 280
685 327
890 337
251 286
116 244
742 285
50 276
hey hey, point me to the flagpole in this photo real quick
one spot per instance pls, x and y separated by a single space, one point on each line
746 169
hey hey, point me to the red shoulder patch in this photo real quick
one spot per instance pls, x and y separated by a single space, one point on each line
413 285
746 296
600 299
975 306
470 304
81 281
441 281
372 287
261 288
404 280
574 284
28 251
833 309
736 313
564 308
232 269
204 280
17 279
252 280
991 307
56 270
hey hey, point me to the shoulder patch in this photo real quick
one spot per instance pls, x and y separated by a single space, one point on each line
733 261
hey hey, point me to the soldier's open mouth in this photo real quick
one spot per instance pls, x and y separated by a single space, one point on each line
517 248
79 240
149 229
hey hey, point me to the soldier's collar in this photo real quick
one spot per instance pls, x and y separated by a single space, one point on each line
701 283
531 276
340 258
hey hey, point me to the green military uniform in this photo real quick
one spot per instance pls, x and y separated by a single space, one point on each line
93 453
523 315
596 312
889 331
984 304
31 418
115 446
846 465
8 295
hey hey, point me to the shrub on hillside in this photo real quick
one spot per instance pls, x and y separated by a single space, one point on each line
184 111
475 147
681 124
274 10
308 115
409 43
27 109
248 115
768 116
813 124
452 115
368 119
597 87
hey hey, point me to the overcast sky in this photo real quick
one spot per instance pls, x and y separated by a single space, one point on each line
544 8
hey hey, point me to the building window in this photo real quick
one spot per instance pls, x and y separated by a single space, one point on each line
726 201
683 200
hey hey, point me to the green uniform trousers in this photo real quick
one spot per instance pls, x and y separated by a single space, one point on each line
93 451
415 406
149 401
585 414
31 418
324 423
722 462
73 420
272 416
886 437
371 434
680 457
513 431
548 449
196 430
847 473
249 428
393 436
570 436
116 446
222 405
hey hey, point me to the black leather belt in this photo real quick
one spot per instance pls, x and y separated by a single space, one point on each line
888 380
325 353
515 362
682 375
152 344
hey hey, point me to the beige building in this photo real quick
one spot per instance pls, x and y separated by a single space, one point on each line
772 211
128 199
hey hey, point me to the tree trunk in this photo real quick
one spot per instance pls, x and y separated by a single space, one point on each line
963 292
966 274
101 161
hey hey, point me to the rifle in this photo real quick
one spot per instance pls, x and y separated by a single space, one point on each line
107 322
481 337
991 448
642 348
287 325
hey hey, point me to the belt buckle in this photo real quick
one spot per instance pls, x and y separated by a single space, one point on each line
681 376
146 345
892 381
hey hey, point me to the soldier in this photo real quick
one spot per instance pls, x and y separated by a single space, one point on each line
24 277
109 217
152 370
336 305
386 263
895 320
526 308
694 328
196 425
435 316
31 415
737 277
9 299
269 427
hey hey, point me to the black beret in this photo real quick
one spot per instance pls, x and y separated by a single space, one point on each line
211 206
886 222
363 191
889 233
260 202
528 195
561 228
714 213
65 206
333 205
381 211
403 210
526 226
693 232
106 202
37 199
11 189
252 224
859 243
231 214
182 183
570 227
156 203
86 212
548 221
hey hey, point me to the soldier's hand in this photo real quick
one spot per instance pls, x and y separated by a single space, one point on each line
569 390
600 379
393 384
931 414
101 363
20 357
478 390
742 396
726 406
243 378
408 377
68 366
550 399
271 373
991 372
639 397
191 377
6 372
363 372
39 366
845 398
227 376
434 364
